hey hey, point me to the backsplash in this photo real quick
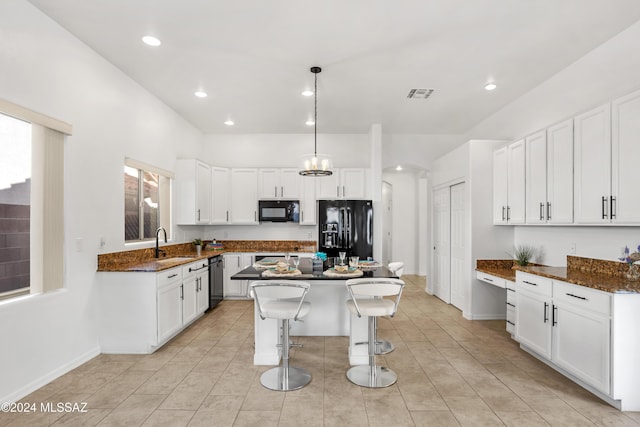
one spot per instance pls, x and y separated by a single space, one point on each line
597 266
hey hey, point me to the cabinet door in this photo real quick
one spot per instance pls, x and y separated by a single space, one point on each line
308 204
169 310
328 187
219 195
244 196
232 265
560 173
353 183
592 176
189 299
585 355
625 159
290 184
536 178
269 184
516 184
203 193
203 292
500 179
533 322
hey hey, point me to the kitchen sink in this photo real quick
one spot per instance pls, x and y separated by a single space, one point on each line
174 259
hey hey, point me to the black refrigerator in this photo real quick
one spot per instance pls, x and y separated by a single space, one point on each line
346 225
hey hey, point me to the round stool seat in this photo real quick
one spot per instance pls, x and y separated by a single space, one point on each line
284 309
372 307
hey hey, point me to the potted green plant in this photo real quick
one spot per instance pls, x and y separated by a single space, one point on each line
523 254
198 244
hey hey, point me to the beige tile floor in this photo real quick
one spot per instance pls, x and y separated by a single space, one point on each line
451 372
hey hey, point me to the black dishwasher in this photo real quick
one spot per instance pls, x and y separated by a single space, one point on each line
215 280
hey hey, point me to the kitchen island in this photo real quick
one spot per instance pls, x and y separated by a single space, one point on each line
328 317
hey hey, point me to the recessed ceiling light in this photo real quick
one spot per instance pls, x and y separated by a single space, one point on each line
151 41
229 123
309 123
307 93
398 168
200 94
490 86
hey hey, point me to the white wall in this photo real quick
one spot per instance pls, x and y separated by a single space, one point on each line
46 69
405 219
607 72
417 151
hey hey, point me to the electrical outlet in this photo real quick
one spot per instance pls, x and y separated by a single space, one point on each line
309 235
572 249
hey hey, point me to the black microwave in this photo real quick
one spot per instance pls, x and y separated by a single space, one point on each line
279 210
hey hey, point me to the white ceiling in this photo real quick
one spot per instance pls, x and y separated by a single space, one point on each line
253 56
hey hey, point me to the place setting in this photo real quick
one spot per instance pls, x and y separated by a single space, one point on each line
340 269
283 268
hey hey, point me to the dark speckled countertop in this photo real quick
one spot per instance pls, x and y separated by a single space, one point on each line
604 275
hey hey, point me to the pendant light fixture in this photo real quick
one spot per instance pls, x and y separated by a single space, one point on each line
316 164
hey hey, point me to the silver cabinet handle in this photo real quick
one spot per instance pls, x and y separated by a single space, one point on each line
182 292
548 211
508 212
255 216
227 216
541 211
546 313
302 216
198 214
172 276
281 191
529 283
503 213
337 191
275 191
605 207
344 193
613 207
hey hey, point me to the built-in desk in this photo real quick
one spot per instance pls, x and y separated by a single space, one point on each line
329 315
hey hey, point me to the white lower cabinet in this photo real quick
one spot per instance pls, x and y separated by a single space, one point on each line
140 311
568 325
511 306
234 263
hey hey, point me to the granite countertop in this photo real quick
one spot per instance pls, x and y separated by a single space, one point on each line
604 275
502 268
143 260
600 281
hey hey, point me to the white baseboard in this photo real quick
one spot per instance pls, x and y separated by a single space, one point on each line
484 316
47 378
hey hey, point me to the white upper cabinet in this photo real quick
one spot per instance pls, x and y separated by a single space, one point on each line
592 176
625 150
219 195
344 183
536 179
549 175
560 173
275 184
500 177
244 196
193 191
509 184
308 205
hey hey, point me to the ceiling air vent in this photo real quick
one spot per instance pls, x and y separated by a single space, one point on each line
419 93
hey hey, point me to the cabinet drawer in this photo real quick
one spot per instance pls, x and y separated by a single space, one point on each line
490 279
511 320
511 292
193 268
583 297
532 283
168 276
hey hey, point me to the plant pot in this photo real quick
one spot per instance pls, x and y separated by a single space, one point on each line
199 250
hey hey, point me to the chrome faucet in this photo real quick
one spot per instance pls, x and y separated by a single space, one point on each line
158 250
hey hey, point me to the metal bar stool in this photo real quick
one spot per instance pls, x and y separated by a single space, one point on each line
366 300
282 300
385 346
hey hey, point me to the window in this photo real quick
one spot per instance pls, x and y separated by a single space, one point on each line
15 205
146 201
31 201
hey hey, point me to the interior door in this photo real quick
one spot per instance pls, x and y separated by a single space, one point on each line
442 244
457 195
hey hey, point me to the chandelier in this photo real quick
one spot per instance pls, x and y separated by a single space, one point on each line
316 165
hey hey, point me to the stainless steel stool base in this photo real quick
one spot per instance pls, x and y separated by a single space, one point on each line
276 379
372 377
384 347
